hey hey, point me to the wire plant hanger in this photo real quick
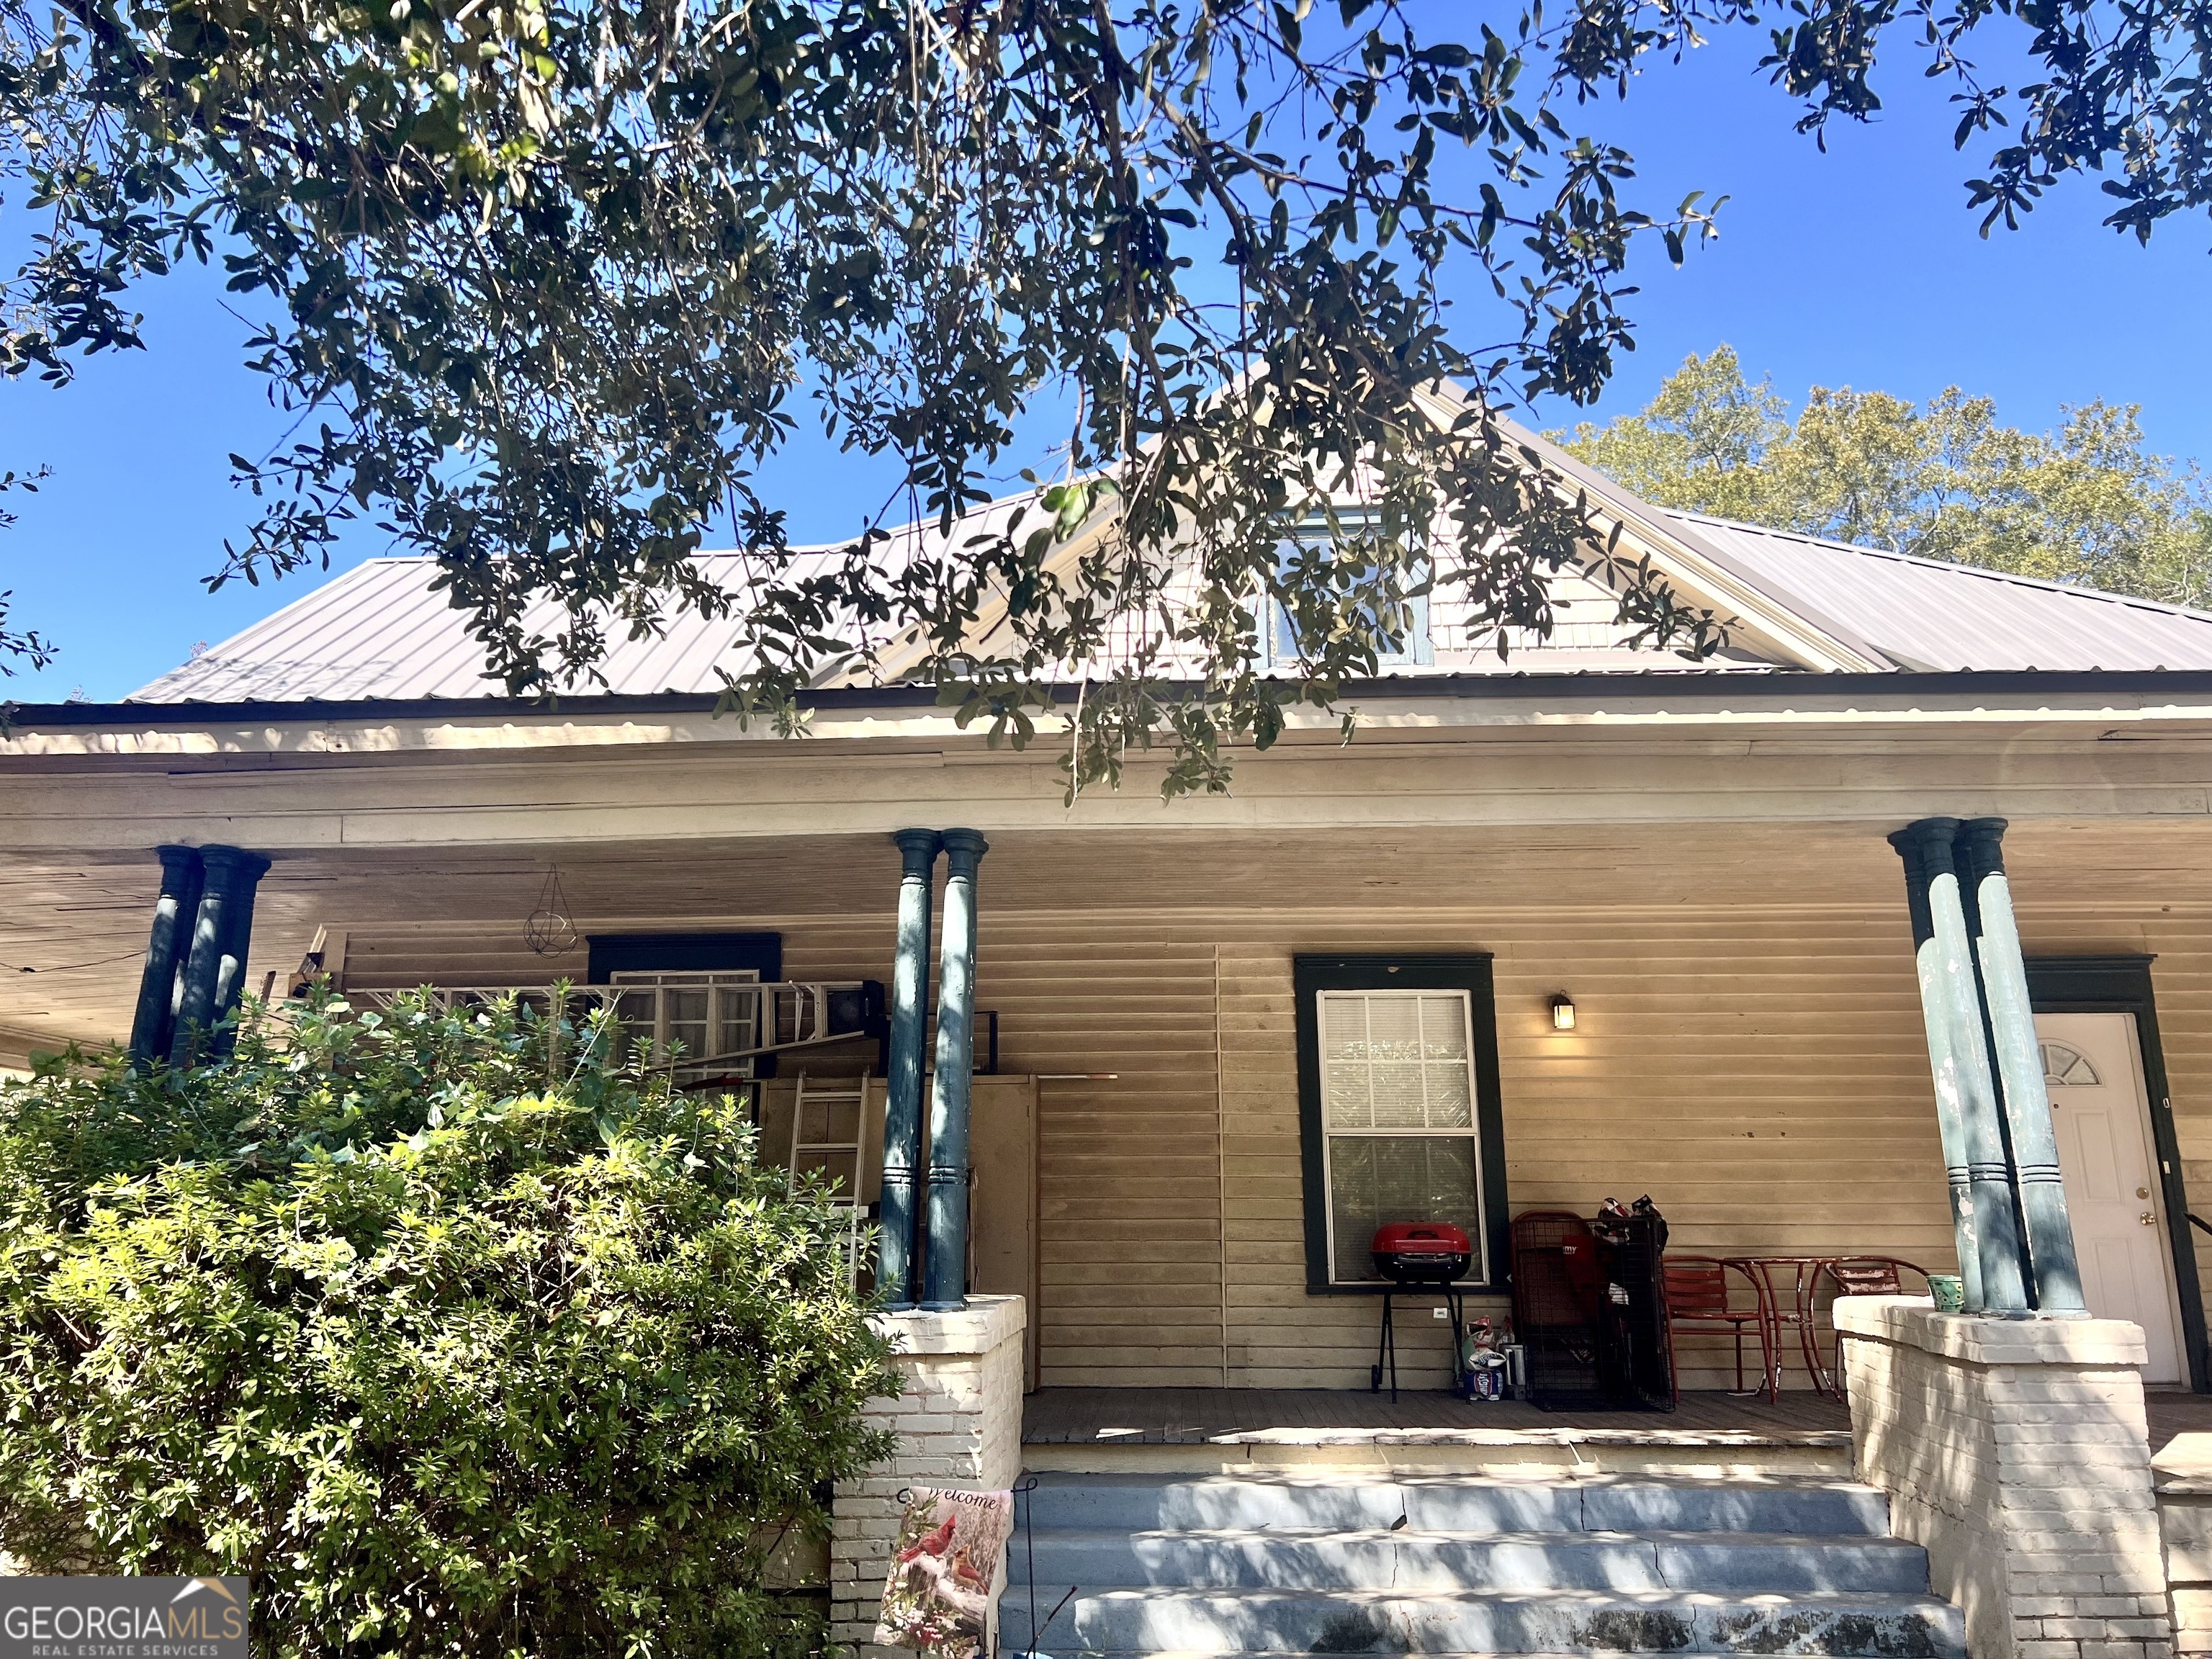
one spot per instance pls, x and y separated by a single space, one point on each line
550 930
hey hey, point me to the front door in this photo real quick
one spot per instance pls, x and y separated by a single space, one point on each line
2093 1069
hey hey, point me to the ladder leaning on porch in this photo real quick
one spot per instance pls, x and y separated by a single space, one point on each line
823 1152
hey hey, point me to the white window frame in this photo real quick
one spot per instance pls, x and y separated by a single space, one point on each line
1420 650
1478 1235
717 981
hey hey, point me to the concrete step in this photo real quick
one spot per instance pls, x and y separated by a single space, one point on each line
1467 1504
1152 1620
1414 1559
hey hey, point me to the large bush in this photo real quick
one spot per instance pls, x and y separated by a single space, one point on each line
458 1336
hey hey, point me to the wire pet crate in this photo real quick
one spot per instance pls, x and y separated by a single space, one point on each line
1557 1291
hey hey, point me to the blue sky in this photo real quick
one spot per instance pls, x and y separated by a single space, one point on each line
1860 266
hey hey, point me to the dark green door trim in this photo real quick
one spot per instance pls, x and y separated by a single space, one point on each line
2122 985
1468 973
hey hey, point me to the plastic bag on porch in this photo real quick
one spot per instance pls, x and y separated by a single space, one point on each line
936 1593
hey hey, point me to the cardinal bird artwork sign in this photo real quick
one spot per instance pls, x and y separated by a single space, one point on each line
937 1597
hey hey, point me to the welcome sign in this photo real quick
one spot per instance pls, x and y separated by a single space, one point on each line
123 1618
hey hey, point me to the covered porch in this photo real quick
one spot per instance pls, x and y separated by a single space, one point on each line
1749 1049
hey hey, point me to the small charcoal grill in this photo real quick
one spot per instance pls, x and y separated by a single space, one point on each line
1419 1255
1422 1252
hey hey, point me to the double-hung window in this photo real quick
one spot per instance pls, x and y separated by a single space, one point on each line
1279 638
1398 1083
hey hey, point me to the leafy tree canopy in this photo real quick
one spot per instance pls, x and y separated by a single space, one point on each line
2088 502
548 278
457 1335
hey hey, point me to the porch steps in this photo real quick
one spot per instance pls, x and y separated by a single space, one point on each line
1452 1564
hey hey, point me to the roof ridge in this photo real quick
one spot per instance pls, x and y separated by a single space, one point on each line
1953 566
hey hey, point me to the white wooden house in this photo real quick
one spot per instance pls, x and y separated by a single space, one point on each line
1695 853
1586 921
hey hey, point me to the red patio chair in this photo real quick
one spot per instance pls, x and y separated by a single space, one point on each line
1854 1275
1700 1297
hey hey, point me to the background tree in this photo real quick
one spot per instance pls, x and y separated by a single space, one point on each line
457 1334
546 278
2087 502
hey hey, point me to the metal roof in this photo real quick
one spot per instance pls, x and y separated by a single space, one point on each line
380 632
1926 613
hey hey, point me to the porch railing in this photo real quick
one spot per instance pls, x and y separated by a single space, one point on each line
779 1016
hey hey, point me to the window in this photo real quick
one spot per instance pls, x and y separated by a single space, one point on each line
1279 639
2066 1065
707 1014
1398 1085
689 989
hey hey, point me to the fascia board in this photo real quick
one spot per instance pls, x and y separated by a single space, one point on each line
1801 633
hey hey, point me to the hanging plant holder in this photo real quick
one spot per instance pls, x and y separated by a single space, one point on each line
549 931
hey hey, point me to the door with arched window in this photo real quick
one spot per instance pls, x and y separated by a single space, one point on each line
2092 1070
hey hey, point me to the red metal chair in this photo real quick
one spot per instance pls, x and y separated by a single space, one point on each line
1700 1297
1852 1275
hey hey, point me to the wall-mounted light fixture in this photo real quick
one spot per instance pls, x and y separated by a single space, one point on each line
1562 1012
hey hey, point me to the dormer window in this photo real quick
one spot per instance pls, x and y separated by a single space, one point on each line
1279 639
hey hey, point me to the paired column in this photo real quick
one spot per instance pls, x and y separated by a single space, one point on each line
894 1238
1994 1115
921 1246
212 977
1944 1061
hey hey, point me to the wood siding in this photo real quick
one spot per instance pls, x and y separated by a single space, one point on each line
1758 1070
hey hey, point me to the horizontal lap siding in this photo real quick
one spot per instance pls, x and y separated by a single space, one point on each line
1760 1072
1763 1078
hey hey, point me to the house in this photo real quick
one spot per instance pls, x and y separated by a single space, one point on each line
1693 860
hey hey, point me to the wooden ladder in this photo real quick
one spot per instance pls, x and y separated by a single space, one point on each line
814 1149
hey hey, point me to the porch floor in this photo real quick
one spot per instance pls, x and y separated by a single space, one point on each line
1187 1417
1190 1417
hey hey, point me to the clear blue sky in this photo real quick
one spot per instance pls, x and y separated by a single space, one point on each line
1860 266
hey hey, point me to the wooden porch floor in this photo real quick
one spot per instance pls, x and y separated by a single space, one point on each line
1187 1417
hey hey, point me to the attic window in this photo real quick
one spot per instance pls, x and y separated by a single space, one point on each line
2068 1067
1279 639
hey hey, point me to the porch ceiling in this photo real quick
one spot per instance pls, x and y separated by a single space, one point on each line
81 923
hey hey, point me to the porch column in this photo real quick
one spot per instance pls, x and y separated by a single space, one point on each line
2050 1231
154 1021
944 1267
1961 1051
1949 1115
215 967
917 850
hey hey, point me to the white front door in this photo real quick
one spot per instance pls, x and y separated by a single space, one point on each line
2093 1069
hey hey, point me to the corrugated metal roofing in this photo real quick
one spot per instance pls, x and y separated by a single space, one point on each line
380 632
1924 614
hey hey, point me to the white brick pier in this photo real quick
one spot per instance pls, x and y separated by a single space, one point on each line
2183 1473
960 1424
2016 1453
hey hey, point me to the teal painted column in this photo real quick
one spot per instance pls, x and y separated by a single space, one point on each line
944 1265
894 1235
1943 1063
214 964
153 1024
1988 1173
2055 1272
230 968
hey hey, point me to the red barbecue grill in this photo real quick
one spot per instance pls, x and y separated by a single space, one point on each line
1431 1256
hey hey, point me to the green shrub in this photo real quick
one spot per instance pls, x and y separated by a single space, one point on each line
450 1360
